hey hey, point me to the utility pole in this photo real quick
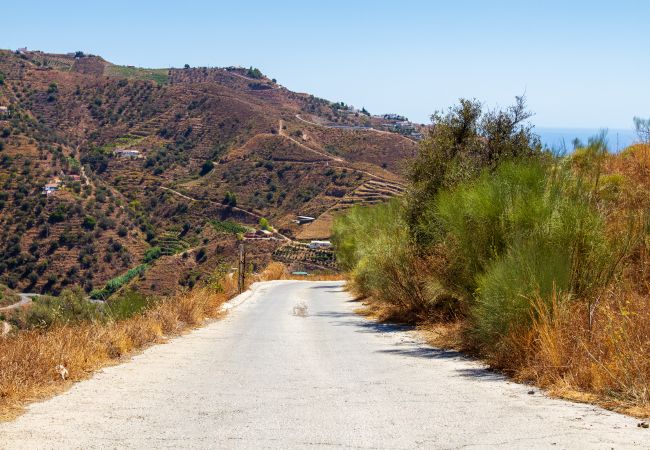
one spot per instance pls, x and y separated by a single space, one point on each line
241 276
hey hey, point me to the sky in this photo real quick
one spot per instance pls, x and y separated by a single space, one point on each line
581 64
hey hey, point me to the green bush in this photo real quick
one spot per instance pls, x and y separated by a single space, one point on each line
227 226
116 283
519 235
71 306
152 254
372 243
128 304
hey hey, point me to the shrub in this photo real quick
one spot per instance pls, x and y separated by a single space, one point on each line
206 168
89 223
373 244
128 304
71 306
227 226
116 283
152 254
521 233
462 142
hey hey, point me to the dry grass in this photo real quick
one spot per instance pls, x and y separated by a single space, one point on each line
606 363
29 359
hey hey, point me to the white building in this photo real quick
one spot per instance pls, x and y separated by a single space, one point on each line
320 244
126 153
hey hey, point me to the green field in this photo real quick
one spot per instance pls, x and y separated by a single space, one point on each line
160 76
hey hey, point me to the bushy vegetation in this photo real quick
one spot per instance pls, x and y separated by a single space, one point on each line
70 307
537 256
226 226
116 283
160 76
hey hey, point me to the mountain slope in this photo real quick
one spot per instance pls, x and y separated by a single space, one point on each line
140 154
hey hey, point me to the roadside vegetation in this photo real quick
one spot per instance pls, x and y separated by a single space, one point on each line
59 340
535 261
7 296
63 339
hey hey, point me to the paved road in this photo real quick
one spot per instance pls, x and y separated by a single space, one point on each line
265 377
25 299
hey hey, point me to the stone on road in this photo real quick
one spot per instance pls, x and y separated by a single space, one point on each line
293 367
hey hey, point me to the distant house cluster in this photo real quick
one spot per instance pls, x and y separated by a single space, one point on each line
4 111
400 124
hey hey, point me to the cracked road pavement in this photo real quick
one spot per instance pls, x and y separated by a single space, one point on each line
268 377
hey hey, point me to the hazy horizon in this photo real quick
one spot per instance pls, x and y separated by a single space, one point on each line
579 65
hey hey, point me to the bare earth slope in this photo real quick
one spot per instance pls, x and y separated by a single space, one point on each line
271 375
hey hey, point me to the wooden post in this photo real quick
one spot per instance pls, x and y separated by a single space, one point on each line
242 268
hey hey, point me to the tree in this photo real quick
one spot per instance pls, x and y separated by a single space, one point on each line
642 129
463 142
187 66
264 224
230 199
254 72
89 223
206 168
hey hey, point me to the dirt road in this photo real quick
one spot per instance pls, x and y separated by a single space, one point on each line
294 367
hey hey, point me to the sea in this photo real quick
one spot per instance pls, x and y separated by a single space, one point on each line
561 139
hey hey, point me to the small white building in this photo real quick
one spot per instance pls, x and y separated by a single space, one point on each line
50 188
320 244
126 153
304 219
4 111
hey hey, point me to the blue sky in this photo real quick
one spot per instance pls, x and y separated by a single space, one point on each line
580 63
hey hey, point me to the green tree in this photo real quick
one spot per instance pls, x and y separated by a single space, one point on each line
89 223
462 142
264 224
254 72
230 199
206 168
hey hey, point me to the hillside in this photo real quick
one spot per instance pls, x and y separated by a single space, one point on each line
134 159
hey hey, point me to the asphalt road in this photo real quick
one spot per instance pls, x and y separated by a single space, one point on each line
275 374
25 299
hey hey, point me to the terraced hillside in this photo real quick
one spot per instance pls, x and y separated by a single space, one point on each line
148 158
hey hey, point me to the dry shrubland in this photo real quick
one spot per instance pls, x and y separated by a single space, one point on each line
535 262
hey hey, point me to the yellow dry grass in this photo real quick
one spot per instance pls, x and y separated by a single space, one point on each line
31 361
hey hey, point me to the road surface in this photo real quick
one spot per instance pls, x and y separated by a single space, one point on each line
25 299
294 367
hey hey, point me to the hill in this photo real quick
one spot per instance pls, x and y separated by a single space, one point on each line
104 165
